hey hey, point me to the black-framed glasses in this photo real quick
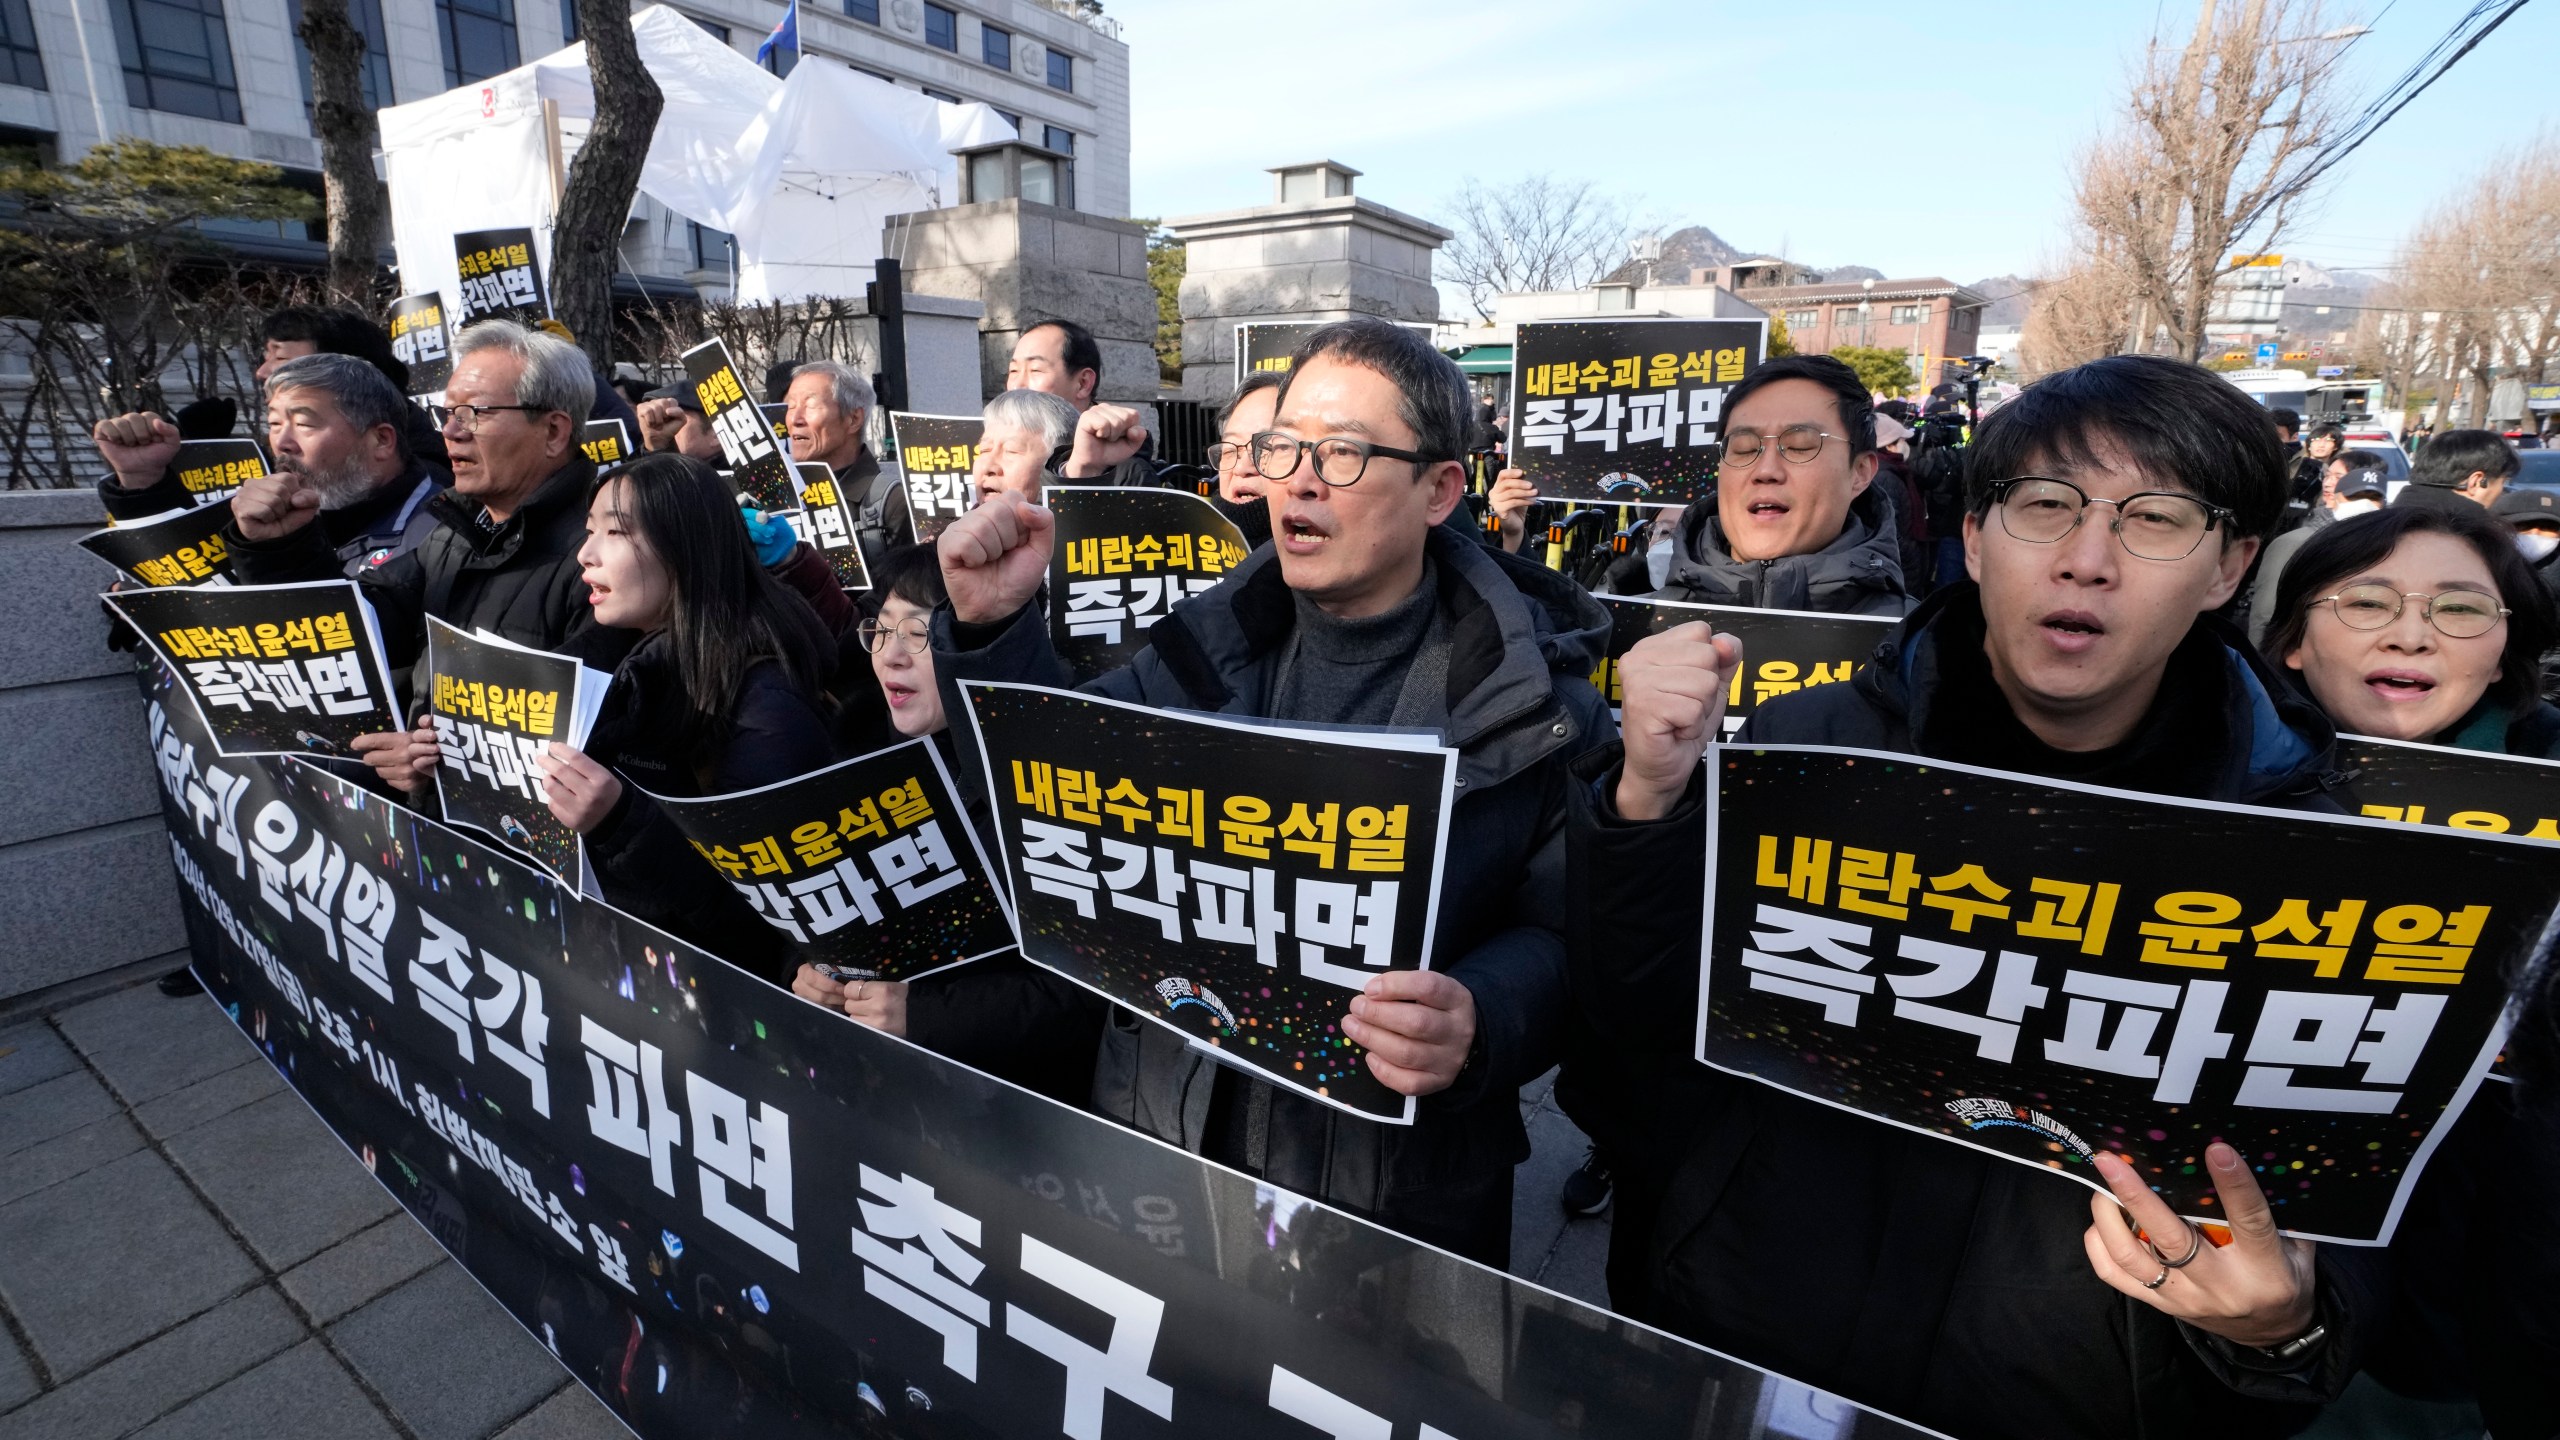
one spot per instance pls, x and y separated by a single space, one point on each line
2153 525
912 635
2456 614
1340 460
1798 444
470 415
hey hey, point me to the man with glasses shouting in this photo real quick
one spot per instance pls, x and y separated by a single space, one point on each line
2113 508
1367 611
505 555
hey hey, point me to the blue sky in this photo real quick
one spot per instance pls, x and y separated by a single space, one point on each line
1920 138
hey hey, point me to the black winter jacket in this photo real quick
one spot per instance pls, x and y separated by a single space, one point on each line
1941 1285
881 520
1859 573
1520 709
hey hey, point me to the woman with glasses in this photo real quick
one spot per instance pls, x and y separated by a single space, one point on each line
2420 624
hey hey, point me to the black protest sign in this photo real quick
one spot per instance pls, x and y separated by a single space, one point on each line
727 1211
606 442
777 416
419 338
825 520
2460 789
211 470
1124 556
757 466
180 548
274 669
495 706
2042 971
1783 651
1270 347
501 275
1626 410
869 866
1310 863
937 453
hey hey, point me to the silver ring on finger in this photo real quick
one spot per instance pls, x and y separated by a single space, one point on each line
2195 1234
2156 1281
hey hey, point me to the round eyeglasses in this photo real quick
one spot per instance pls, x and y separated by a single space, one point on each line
2154 525
911 635
1798 443
2456 614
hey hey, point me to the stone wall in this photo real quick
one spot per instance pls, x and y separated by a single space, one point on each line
1328 259
1027 262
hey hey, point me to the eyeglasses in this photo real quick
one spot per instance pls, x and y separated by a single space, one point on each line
1798 443
1340 460
1221 456
471 415
2456 614
2154 525
912 635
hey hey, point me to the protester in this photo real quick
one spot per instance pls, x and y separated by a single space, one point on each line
2311 470
1112 447
1794 522
2535 515
1057 356
1246 414
671 418
827 409
1910 505
2421 624
1026 432
2288 428
2115 506
2460 467
1364 611
2352 484
504 555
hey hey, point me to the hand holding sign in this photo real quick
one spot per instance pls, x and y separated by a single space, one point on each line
274 505
995 558
1513 494
1105 436
138 447
582 792
2257 1290
1417 1026
394 756
1675 685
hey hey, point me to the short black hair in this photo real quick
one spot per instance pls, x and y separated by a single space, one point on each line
2328 430
1078 348
2452 457
1849 394
2178 421
1254 384
1435 401
2336 552
338 332
2286 421
912 573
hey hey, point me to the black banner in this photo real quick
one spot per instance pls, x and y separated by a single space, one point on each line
501 275
418 338
607 442
878 840
825 520
495 705
758 466
178 549
1270 347
1626 410
2065 968
1331 840
212 470
2459 789
729 1212
937 452
1124 556
272 669
1783 651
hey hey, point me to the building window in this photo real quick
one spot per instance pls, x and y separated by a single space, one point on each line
996 46
942 28
874 74
1844 317
866 11
367 15
782 59
710 247
1062 71
1803 319
1909 314
942 95
568 22
1011 119
20 62
1062 141
177 57
712 28
479 38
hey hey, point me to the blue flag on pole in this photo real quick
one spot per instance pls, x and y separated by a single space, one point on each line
786 35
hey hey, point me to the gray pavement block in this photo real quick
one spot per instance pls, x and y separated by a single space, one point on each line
112 1257
281 1179
410 1344
132 1388
302 1394
30 1053
360 1267
17 1378
1579 1265
65 1156
573 1414
1537 1219
184 1109
56 1107
148 1044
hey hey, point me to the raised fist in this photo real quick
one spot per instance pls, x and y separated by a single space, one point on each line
995 558
138 447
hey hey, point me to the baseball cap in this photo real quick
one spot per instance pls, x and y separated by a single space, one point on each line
2363 485
680 393
2521 507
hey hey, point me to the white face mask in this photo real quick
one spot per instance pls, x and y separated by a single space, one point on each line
1657 561
2346 508
2536 544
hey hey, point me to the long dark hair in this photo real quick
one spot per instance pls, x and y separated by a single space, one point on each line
727 614
2336 553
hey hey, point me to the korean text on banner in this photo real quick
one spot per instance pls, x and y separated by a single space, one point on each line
273 669
938 452
1123 557
1627 411
757 466
1783 651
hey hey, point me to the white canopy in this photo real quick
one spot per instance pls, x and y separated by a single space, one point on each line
801 171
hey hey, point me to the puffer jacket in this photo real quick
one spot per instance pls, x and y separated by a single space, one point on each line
1858 573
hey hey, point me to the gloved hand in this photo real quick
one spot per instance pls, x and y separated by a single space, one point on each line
772 535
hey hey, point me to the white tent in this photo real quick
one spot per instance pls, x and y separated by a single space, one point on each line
802 172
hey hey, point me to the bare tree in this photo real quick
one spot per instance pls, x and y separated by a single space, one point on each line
2220 146
344 123
2078 311
1537 233
595 206
2477 293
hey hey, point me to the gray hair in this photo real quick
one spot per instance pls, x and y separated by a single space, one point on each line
1038 410
361 392
556 374
852 388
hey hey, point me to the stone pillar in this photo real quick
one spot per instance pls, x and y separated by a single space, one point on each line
1317 252
1027 262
